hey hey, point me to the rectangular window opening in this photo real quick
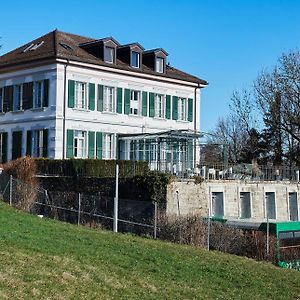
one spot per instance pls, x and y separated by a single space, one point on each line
80 95
217 204
109 55
135 59
293 206
80 144
270 205
135 102
245 205
159 65
160 106
109 99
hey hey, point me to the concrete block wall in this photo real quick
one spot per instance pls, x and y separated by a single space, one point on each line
187 197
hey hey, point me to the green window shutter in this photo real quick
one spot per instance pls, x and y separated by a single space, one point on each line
175 108
91 96
99 137
127 102
27 95
46 93
70 143
45 142
119 100
3 157
151 105
168 107
16 144
144 103
100 98
29 143
190 110
91 149
71 93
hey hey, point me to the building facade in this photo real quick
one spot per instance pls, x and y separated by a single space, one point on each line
68 96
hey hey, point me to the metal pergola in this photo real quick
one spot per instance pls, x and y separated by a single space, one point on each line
174 151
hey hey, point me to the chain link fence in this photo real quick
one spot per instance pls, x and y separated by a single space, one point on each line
93 210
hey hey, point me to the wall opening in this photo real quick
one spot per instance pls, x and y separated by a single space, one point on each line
245 205
293 206
217 204
270 205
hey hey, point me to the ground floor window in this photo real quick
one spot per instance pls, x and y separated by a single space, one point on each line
108 146
37 143
3 147
80 144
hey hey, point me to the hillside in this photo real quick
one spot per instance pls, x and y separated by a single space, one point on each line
45 259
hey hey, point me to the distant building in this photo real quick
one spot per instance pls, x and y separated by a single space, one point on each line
69 96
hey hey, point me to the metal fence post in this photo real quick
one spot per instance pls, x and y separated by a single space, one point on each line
208 230
116 200
10 189
155 220
79 208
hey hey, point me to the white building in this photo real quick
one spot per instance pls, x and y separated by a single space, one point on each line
64 96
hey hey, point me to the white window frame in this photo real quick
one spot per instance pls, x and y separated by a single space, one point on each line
109 99
109 143
80 144
182 109
133 61
37 143
160 106
38 94
81 95
159 64
135 102
109 54
17 97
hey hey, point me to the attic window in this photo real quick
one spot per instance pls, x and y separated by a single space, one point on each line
33 47
66 46
135 59
159 65
109 54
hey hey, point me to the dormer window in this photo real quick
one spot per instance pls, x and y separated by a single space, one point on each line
159 65
109 54
135 59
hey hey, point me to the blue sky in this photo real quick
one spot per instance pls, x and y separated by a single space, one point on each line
226 43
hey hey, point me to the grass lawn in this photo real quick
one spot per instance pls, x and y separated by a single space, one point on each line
46 259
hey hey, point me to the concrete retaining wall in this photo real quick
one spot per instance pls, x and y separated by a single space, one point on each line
186 197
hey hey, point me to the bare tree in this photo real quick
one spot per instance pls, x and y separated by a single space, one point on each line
278 98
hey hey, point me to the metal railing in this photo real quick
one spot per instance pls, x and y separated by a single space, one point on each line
251 172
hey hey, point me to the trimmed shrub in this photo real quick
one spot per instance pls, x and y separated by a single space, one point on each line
90 167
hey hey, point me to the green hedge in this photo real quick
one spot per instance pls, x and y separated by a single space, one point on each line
91 167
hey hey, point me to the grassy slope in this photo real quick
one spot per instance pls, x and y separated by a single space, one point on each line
44 259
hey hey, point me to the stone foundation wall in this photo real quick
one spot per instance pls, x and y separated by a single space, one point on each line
187 197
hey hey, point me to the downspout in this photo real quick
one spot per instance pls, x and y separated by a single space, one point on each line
64 110
195 124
